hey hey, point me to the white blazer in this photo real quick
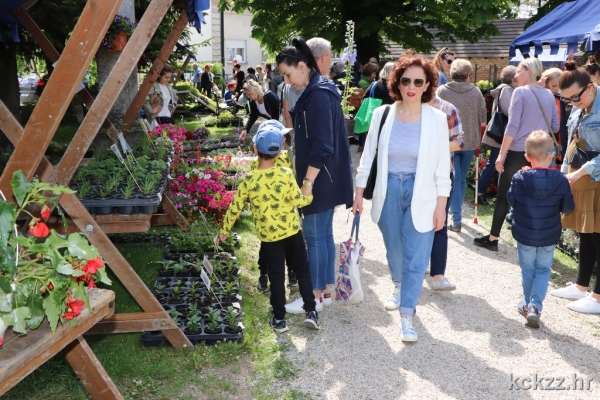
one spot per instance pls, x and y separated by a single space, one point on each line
432 178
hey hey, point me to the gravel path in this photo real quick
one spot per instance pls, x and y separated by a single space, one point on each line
470 340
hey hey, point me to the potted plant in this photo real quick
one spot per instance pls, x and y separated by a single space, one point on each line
127 192
232 319
118 31
85 189
176 315
176 296
193 324
42 274
165 268
212 325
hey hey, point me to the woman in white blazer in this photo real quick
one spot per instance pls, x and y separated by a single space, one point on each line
413 180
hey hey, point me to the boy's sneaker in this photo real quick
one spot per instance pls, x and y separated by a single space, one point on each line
326 299
278 325
522 308
533 317
569 292
292 280
297 306
312 320
485 241
263 283
393 302
407 330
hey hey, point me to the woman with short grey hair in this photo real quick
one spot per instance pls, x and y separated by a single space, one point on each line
471 107
502 93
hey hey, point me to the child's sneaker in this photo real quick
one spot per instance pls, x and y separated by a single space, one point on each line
522 308
292 280
297 306
263 283
407 330
326 299
533 317
312 320
278 326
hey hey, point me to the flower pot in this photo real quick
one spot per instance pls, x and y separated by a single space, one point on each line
125 210
118 43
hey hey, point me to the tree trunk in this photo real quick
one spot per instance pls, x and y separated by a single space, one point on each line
9 85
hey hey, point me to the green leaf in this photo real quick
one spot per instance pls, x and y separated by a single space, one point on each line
16 318
78 272
55 241
104 277
64 268
21 186
7 219
5 285
79 247
36 306
5 302
79 292
53 310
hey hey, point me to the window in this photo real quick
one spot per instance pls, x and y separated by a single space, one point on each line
236 49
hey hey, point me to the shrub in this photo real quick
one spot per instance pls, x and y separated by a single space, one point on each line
210 120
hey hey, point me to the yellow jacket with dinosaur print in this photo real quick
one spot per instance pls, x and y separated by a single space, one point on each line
273 194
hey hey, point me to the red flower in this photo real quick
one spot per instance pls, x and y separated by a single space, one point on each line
91 284
91 267
45 212
40 230
74 308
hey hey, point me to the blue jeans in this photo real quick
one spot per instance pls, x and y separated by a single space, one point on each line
488 171
536 265
318 232
462 163
407 250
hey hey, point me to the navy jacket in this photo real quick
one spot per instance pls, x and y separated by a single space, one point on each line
321 141
538 196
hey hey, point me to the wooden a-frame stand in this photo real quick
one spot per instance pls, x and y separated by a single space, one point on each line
32 141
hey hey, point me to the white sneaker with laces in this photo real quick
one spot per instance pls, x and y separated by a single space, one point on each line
441 284
327 301
407 330
569 292
588 305
393 302
297 306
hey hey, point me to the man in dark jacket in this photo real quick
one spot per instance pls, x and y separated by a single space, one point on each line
538 195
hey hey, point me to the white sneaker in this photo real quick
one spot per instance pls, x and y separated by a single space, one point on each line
588 305
297 306
407 330
393 302
327 301
569 292
441 284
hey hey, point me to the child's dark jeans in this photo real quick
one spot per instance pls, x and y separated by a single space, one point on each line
275 255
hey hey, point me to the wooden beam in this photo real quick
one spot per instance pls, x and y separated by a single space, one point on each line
84 221
89 370
134 322
54 101
157 66
107 97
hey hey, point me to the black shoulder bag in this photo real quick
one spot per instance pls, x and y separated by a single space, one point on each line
368 192
497 126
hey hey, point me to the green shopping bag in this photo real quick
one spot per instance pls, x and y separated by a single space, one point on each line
365 112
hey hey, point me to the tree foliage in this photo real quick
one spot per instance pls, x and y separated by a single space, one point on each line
409 23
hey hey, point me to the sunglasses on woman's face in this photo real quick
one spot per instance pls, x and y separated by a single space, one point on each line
573 99
406 82
448 61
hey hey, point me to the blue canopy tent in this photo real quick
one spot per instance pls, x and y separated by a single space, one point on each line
569 23
6 16
546 58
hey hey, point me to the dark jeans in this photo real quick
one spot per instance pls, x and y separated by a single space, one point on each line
488 171
262 262
275 254
439 250
515 160
165 120
362 138
589 256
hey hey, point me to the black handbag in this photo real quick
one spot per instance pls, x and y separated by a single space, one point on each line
580 156
370 187
497 126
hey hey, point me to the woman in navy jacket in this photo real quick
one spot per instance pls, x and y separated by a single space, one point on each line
322 161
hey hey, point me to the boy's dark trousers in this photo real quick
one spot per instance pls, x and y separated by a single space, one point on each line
274 256
262 263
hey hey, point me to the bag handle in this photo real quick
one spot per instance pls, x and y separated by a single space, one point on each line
383 118
558 146
355 224
372 92
498 105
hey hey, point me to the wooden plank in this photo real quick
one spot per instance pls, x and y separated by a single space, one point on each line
89 370
21 355
111 89
134 322
107 249
54 101
174 213
157 66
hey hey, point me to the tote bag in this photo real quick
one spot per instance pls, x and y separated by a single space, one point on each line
365 112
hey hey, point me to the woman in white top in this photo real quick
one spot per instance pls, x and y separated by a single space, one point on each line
413 179
262 104
161 100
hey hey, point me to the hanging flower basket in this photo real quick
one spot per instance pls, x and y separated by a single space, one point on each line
118 31
118 43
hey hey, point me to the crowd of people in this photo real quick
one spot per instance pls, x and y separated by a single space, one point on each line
422 140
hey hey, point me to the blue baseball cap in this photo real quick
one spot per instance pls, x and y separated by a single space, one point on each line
269 137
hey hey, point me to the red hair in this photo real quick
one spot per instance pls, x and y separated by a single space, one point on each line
431 76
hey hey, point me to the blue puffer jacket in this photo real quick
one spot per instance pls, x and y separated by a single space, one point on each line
538 196
321 141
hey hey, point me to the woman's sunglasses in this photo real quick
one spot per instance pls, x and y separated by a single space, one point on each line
573 99
406 82
448 61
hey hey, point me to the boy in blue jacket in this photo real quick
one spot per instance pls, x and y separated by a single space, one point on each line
538 195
